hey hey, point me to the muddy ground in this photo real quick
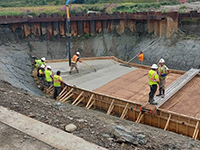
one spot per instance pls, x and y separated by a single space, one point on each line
93 126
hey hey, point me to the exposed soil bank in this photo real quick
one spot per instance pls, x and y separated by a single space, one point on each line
179 53
92 125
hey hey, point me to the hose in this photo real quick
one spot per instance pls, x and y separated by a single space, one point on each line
150 44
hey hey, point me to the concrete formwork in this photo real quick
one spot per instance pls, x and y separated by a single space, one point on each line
125 95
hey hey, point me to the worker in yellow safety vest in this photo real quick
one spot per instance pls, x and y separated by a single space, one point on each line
41 76
153 82
38 64
74 61
48 76
163 71
57 80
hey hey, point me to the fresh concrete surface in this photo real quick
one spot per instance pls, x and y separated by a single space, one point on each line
87 78
48 134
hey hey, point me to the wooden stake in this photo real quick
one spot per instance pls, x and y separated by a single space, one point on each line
79 101
66 95
62 92
194 134
110 107
77 98
141 116
88 103
138 117
91 104
49 89
124 111
167 122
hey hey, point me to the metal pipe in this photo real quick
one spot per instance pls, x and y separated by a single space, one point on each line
68 30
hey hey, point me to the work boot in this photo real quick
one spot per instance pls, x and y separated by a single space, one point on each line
163 94
160 90
154 103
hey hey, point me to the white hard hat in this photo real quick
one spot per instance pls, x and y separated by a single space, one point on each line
48 67
162 60
154 66
77 53
43 59
42 66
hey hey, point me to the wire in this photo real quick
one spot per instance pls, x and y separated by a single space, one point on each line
19 79
150 44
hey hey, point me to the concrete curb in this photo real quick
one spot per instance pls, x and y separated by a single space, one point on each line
45 133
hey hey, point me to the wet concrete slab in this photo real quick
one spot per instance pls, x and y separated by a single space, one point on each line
87 78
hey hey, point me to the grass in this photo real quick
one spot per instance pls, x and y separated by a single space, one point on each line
84 8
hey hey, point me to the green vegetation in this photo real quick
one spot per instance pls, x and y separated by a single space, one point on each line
82 8
28 3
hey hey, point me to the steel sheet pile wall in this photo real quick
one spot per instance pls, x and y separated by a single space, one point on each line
90 24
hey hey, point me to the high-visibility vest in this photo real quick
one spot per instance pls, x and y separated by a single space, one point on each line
56 81
141 57
163 71
74 59
39 63
153 77
41 73
48 74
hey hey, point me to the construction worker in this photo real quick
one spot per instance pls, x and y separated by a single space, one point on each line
57 80
41 76
75 59
48 76
38 63
153 82
141 57
163 71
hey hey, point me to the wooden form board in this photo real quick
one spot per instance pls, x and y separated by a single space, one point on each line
166 120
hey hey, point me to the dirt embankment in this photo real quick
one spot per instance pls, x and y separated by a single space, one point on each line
92 125
179 52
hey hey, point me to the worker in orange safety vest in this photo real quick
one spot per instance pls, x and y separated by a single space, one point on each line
74 61
141 57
